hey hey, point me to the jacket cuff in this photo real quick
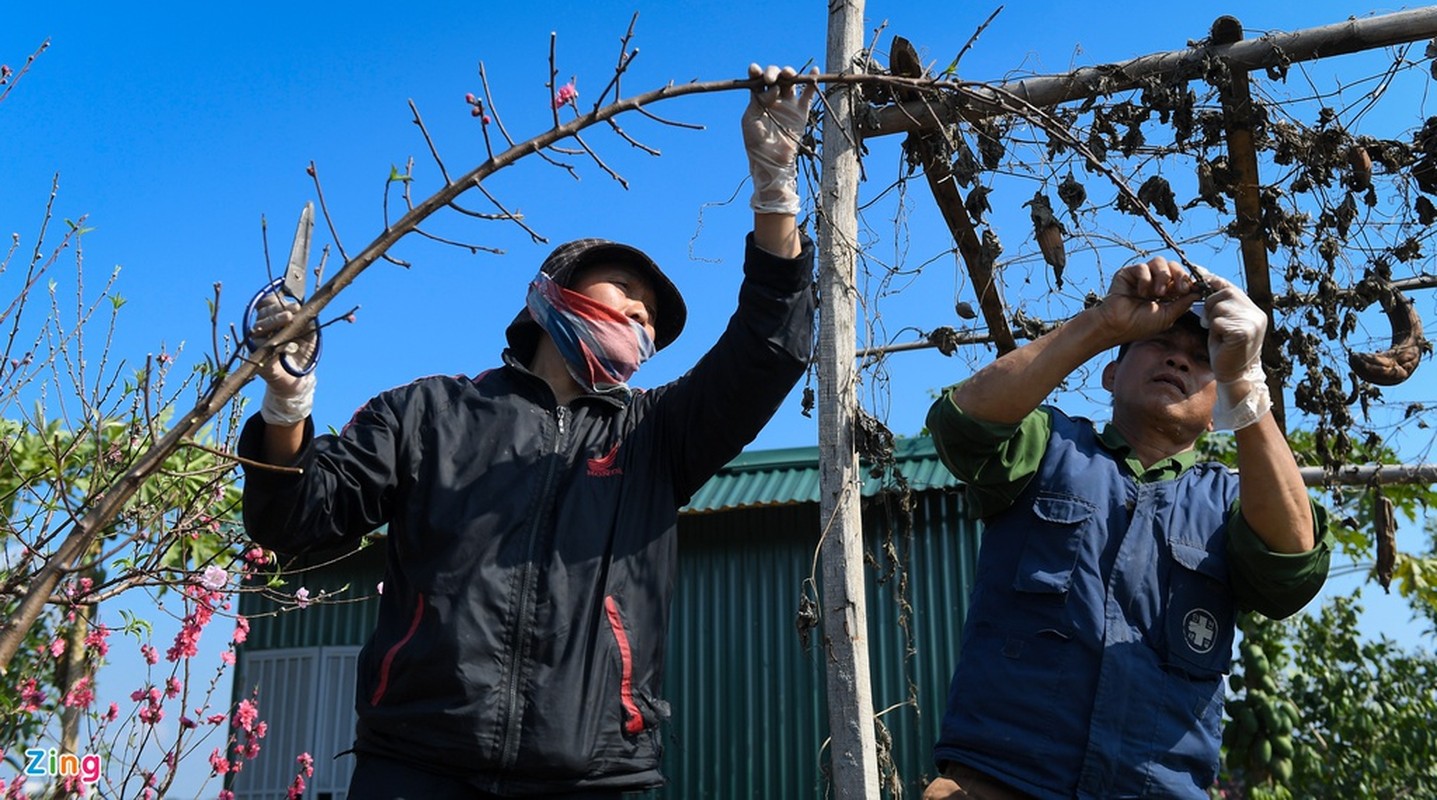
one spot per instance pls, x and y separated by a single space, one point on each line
251 448
1276 585
784 275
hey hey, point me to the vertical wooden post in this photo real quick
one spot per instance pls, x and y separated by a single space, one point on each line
852 746
1242 155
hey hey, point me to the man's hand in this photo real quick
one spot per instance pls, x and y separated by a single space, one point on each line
944 789
1236 328
288 399
773 126
1146 299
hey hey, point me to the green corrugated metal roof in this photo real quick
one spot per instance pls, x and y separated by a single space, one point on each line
788 476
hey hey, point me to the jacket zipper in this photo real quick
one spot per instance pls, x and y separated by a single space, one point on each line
520 636
634 719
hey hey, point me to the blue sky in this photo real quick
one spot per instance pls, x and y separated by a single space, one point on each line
175 127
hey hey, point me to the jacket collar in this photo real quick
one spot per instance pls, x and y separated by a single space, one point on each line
1168 468
617 398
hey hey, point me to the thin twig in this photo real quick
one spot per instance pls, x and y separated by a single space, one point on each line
15 78
620 131
479 214
517 219
428 140
215 324
693 126
872 47
484 131
605 167
408 170
499 121
404 180
553 78
264 248
972 40
37 266
319 268
347 316
472 248
625 58
324 207
489 104
149 413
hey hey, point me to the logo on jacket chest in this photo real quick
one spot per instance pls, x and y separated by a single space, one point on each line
1200 628
603 466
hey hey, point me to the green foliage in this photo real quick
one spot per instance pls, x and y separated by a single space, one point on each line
49 477
1258 741
1316 711
51 473
18 723
1368 708
1429 578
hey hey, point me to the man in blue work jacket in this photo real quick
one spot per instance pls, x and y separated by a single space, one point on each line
1112 563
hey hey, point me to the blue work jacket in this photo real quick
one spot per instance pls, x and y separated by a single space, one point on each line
1100 627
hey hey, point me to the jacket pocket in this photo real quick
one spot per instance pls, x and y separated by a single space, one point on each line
386 664
633 717
1053 543
1200 620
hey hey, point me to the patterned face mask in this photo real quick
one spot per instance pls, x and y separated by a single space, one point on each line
601 347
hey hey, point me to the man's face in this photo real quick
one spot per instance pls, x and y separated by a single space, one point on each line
621 288
1167 376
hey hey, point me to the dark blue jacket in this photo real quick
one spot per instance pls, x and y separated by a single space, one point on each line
1100 627
531 547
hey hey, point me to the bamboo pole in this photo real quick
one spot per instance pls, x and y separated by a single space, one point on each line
852 744
1272 50
1370 475
959 338
985 286
1237 115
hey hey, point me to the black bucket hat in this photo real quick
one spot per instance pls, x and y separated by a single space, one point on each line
569 259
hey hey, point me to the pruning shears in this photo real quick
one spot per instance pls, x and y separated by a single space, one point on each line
292 285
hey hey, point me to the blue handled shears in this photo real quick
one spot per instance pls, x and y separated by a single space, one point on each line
291 284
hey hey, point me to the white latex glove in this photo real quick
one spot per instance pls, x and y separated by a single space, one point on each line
773 125
288 399
1235 330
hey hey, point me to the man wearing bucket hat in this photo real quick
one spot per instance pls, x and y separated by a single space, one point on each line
531 511
1112 563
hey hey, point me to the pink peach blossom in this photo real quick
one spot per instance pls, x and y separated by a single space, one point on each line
566 94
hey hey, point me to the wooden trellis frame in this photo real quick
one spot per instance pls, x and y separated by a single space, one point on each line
850 704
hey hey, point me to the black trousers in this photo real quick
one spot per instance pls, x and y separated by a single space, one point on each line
377 778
